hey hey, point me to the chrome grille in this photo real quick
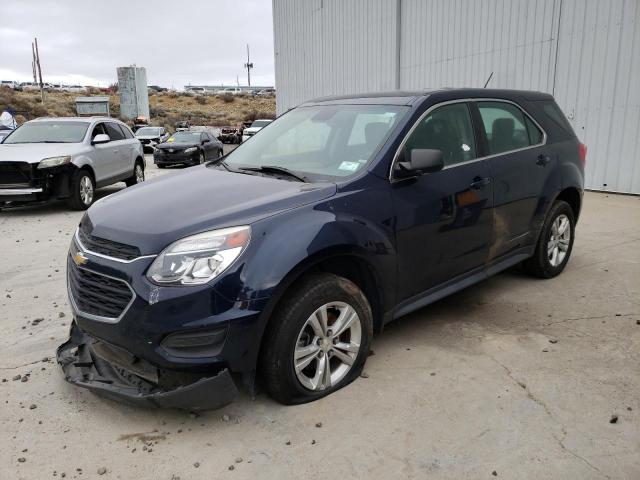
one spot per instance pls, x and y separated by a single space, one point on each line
96 294
106 247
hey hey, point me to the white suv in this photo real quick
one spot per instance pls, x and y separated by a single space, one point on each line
51 158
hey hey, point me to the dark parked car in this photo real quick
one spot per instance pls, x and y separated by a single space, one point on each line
281 260
187 148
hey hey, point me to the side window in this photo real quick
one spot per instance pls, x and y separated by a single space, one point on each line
114 132
449 129
535 135
98 130
126 132
506 127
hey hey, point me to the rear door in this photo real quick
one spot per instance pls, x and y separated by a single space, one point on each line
444 219
521 164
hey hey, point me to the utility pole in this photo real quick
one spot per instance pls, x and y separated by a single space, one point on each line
33 62
248 66
37 61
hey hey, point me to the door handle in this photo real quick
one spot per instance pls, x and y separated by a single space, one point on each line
480 182
543 160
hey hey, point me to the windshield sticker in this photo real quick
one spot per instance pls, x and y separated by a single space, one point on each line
350 166
171 139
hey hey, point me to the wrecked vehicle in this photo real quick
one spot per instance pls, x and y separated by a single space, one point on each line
230 134
67 158
279 261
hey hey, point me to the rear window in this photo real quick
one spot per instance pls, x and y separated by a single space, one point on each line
553 111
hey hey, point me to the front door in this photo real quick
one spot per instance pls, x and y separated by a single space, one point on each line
102 155
443 219
122 160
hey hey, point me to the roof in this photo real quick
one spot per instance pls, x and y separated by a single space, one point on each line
75 119
401 97
93 99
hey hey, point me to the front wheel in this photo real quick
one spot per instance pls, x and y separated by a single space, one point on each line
82 190
555 242
318 340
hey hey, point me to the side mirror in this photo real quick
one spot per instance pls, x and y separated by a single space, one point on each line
422 160
100 138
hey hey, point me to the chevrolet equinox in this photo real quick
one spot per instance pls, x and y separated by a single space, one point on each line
277 263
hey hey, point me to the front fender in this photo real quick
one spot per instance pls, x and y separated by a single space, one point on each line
285 246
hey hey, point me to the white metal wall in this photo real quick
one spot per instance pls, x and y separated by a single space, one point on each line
328 47
585 52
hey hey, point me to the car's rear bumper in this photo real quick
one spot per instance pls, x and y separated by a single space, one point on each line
112 373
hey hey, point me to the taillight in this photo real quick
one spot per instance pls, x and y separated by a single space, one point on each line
582 150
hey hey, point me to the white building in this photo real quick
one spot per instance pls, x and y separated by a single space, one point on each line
585 52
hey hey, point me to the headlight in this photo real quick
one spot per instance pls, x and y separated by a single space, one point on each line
190 150
54 161
200 258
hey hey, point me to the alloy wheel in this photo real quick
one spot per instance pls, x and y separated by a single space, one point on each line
139 171
327 346
86 190
559 240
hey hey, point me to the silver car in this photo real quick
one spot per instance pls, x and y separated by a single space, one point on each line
52 158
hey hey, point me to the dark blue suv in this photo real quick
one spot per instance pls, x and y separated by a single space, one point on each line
275 264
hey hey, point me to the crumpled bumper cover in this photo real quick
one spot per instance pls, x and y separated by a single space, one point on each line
84 368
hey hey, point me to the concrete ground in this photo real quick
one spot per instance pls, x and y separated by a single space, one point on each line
512 378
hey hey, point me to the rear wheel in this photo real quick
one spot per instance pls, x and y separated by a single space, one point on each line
138 175
318 340
555 243
82 190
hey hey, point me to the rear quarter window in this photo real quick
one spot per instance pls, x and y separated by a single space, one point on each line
553 112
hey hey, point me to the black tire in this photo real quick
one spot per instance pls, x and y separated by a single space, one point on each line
201 159
308 294
76 200
539 264
161 166
133 179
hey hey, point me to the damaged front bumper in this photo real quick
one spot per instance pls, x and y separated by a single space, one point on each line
114 373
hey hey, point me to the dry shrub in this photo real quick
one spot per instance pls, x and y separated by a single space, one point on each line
201 99
227 98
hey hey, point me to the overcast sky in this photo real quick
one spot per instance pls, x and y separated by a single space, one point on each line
179 42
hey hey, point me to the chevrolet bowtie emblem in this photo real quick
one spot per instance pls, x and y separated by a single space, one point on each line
79 258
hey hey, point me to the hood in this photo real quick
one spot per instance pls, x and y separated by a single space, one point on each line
157 212
147 137
177 145
35 152
252 129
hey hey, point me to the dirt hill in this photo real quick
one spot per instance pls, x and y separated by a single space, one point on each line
166 108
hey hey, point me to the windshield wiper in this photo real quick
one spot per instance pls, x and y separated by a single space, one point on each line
221 161
276 169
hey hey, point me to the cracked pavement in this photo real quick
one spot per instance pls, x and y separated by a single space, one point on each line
470 385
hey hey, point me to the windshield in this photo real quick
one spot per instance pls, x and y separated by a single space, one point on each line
260 123
184 137
148 131
49 132
327 141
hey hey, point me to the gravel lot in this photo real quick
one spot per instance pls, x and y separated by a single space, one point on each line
514 378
